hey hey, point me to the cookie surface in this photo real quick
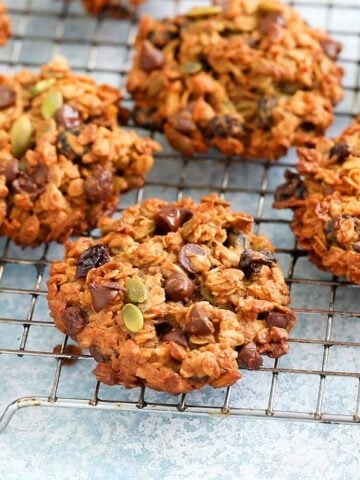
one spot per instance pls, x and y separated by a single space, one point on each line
251 79
325 198
173 297
63 157
5 24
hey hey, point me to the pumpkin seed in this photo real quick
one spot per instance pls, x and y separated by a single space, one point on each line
207 295
191 67
267 6
136 291
133 318
42 85
204 11
20 135
51 104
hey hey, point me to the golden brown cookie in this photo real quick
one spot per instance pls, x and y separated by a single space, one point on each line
173 296
250 79
63 157
5 25
325 197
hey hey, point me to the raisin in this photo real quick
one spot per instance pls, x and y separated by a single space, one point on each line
93 257
224 126
294 187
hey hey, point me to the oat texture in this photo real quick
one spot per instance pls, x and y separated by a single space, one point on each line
250 78
63 157
173 296
325 197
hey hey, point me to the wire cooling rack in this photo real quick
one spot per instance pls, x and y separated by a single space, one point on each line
319 380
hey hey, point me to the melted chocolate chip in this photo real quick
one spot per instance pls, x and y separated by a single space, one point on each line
151 58
293 188
97 355
7 96
162 328
251 261
99 186
178 287
199 322
176 335
68 117
169 219
123 115
276 318
341 151
249 356
101 296
93 257
74 320
187 251
331 48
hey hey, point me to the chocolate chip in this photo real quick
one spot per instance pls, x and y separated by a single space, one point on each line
176 335
268 20
101 296
162 328
99 186
224 126
93 257
97 355
251 261
276 318
104 374
178 287
11 170
151 58
293 188
169 219
308 127
186 253
123 115
7 96
183 122
250 357
74 320
341 151
266 106
68 117
331 48
199 322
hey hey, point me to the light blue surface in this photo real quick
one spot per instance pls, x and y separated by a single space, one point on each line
78 444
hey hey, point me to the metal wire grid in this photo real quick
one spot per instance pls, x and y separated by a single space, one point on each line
100 46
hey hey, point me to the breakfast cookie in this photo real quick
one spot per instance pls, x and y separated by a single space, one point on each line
5 24
173 296
250 78
63 157
113 7
325 197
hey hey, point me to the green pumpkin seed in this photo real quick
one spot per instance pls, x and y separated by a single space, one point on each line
207 295
204 11
20 135
41 86
136 291
133 318
191 67
51 104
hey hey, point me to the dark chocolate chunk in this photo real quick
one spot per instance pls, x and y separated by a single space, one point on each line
187 251
151 58
341 151
199 322
178 287
251 261
74 320
176 335
249 356
277 318
101 296
99 186
169 219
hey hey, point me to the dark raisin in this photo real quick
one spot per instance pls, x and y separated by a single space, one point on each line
7 96
74 320
65 144
340 151
308 127
294 187
93 257
251 261
224 126
266 106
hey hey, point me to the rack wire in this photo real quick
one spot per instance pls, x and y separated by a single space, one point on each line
318 381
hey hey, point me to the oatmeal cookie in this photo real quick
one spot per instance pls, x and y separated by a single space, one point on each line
250 79
173 296
5 25
113 7
325 197
63 157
